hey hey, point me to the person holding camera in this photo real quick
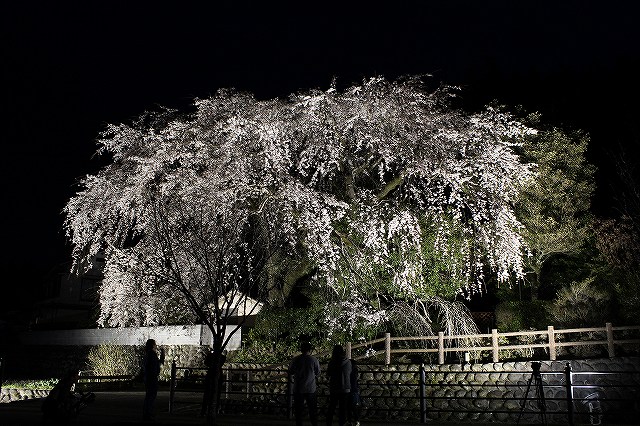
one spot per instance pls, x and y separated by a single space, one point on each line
151 367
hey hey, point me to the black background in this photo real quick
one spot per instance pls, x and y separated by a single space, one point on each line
67 69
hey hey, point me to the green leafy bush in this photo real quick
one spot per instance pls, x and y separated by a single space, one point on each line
113 360
277 334
522 315
582 304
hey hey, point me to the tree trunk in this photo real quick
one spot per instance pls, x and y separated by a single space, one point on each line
213 404
535 282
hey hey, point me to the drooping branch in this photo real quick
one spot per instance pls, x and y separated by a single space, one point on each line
390 186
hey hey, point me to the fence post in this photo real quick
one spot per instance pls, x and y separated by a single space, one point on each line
387 348
172 385
494 344
227 380
1 372
440 347
569 391
552 343
347 348
423 395
611 347
289 395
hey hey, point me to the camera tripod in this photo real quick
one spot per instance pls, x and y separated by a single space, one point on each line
539 394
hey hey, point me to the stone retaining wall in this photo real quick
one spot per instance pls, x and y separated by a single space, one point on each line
490 392
11 395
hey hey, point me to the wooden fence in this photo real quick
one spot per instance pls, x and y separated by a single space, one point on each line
549 339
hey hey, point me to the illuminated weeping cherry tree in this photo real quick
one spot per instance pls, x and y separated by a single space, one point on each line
428 195
391 201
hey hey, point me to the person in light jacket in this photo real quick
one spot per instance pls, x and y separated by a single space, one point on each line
305 369
339 372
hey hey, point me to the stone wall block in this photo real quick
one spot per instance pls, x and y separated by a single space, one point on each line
552 405
509 366
409 377
553 379
409 394
504 377
376 392
501 417
14 394
511 377
585 365
366 376
495 404
462 399
380 377
486 417
495 393
630 365
486 367
439 393
483 392
481 377
389 403
512 404
521 366
481 402
458 416
439 377
474 417
444 415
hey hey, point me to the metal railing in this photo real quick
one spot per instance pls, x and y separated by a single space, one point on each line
89 381
242 388
569 397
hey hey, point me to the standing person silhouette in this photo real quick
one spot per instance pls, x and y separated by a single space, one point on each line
305 370
151 367
353 411
339 372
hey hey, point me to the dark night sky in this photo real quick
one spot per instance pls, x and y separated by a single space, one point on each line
68 70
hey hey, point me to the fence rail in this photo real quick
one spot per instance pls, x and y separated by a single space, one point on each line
459 344
87 380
